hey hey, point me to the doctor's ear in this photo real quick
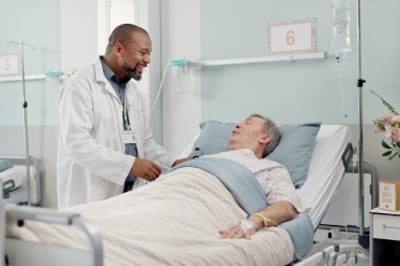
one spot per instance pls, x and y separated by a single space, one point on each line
118 48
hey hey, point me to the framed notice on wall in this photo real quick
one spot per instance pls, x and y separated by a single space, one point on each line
291 37
9 64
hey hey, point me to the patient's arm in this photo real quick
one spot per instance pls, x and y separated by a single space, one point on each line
179 161
276 213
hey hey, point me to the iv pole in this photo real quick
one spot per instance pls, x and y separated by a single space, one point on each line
360 83
25 106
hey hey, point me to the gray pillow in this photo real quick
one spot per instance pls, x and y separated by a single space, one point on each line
213 138
294 150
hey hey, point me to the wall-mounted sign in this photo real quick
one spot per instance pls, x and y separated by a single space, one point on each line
9 64
291 37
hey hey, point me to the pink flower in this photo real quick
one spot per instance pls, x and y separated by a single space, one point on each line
396 134
390 126
377 130
396 118
388 131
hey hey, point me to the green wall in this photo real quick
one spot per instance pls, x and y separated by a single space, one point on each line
305 90
36 23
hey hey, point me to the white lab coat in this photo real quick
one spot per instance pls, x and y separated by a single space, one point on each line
92 164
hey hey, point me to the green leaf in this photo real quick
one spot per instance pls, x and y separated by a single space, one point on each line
380 126
385 103
386 153
385 145
391 157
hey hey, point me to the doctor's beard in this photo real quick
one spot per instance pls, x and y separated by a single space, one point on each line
131 72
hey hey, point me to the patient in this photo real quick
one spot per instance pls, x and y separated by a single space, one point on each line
250 142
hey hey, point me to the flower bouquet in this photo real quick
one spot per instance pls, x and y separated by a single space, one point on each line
390 126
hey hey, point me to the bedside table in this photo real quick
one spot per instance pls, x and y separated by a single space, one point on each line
384 242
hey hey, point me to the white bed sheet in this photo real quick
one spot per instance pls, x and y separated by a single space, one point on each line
172 221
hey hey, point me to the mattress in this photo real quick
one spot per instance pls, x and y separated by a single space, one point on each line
326 170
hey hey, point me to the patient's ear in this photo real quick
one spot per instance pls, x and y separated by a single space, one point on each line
264 139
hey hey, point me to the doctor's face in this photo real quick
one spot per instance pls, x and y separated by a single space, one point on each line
135 56
247 134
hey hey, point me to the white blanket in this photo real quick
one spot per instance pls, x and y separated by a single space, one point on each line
172 221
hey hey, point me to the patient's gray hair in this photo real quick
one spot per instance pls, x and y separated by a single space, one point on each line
272 130
123 34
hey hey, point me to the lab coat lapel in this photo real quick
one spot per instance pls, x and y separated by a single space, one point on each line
101 79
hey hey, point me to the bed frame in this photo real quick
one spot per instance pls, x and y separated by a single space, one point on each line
332 251
335 252
13 209
41 254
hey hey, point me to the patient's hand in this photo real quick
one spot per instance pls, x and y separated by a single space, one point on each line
145 169
178 161
239 230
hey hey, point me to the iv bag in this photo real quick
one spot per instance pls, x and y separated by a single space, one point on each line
181 78
340 12
53 84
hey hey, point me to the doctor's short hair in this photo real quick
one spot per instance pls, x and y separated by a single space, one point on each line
123 34
272 130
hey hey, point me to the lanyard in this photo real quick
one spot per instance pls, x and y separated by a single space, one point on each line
128 135
125 116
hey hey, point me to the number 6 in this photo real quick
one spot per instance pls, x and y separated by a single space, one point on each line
290 40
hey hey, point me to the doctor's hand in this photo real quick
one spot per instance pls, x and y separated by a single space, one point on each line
145 169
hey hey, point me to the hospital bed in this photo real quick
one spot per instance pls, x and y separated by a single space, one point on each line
172 222
13 175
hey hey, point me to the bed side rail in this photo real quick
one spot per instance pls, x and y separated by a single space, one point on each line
21 213
347 156
353 167
335 252
2 226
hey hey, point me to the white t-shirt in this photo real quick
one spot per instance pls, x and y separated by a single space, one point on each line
272 176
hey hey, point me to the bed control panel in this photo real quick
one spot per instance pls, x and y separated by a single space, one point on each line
15 181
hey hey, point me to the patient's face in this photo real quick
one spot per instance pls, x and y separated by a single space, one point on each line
247 134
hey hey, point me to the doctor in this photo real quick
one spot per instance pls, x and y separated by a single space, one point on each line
105 140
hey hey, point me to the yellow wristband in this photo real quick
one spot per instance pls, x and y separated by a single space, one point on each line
265 220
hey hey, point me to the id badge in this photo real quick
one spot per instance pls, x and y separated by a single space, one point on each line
128 137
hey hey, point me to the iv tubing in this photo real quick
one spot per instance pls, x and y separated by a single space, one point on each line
159 89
